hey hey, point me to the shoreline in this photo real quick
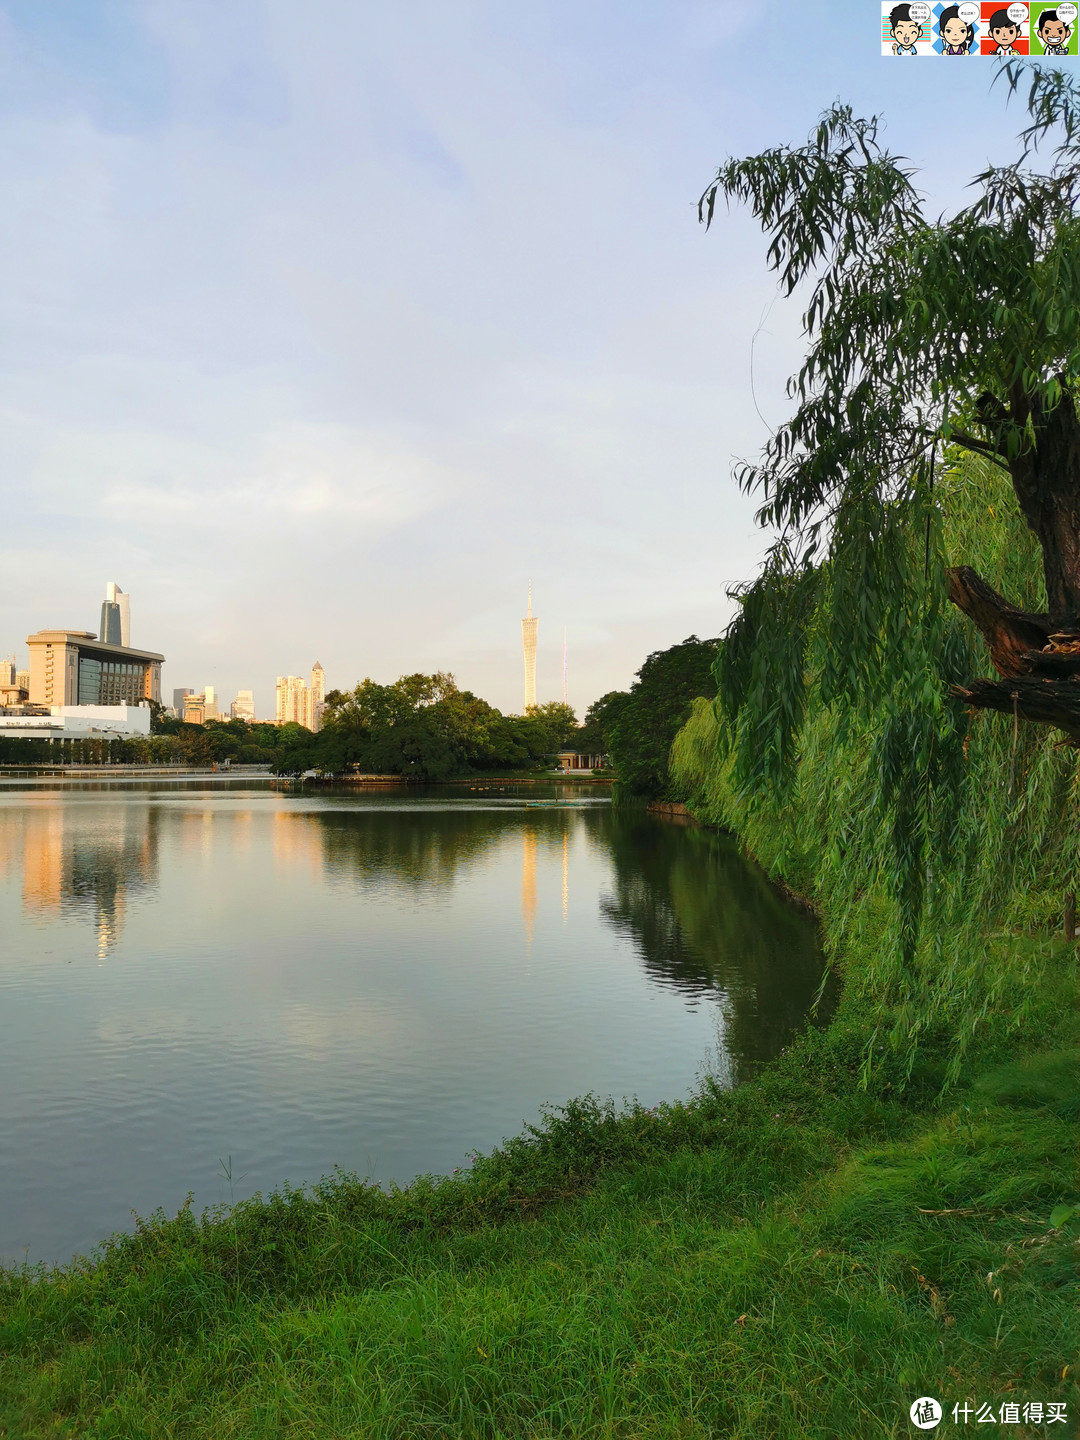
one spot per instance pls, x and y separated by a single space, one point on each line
803 1255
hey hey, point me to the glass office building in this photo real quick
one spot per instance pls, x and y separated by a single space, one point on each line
74 667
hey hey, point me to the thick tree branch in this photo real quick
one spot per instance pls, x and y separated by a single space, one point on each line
1045 702
1014 636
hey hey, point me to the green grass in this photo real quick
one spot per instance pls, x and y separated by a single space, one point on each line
799 1258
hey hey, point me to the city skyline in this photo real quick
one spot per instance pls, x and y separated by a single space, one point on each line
207 423
295 699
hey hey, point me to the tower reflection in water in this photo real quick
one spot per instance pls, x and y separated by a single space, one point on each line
699 918
82 863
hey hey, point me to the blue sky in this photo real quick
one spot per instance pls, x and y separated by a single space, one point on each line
326 327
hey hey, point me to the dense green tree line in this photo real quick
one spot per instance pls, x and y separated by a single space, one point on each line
423 727
636 727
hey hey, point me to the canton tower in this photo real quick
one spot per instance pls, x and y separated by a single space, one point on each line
529 628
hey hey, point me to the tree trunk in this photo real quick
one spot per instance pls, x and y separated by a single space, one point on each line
1046 479
1037 654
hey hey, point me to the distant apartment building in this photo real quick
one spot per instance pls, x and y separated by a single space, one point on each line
195 708
243 707
12 693
303 704
317 693
22 679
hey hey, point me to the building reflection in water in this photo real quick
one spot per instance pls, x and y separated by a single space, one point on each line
528 885
700 919
298 842
80 863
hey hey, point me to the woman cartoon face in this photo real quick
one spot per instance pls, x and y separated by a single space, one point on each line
955 32
906 32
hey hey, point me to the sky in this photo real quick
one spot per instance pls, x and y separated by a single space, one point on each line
326 328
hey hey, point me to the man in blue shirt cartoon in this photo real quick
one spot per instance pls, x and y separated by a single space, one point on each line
905 30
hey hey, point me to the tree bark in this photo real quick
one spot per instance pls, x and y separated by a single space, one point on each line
1046 479
1045 702
1036 653
1013 636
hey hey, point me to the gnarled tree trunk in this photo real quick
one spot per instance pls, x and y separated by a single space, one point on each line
1037 654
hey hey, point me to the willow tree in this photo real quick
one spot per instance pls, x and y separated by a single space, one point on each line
925 334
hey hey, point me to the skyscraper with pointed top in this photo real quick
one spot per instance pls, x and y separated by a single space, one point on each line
529 627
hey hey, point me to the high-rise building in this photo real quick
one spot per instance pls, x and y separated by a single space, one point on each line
243 707
289 700
11 692
116 616
194 712
529 627
178 698
316 697
22 679
298 702
210 709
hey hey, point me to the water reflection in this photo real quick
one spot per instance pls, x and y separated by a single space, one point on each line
702 920
528 885
418 848
73 864
308 980
709 924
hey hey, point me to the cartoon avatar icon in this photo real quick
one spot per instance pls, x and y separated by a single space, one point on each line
905 30
1004 33
1053 33
956 34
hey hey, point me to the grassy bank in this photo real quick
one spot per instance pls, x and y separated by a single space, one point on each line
801 1257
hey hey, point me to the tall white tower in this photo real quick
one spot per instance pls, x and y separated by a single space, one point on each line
529 627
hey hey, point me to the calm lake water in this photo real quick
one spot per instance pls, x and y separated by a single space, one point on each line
201 977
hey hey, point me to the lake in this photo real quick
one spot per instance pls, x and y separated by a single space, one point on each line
217 987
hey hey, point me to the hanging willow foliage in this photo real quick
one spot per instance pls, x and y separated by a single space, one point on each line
938 843
922 333
943 359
